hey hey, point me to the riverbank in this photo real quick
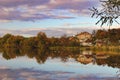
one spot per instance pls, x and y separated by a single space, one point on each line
103 49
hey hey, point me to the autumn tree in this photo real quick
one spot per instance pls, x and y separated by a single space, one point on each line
13 42
54 41
114 36
111 36
42 41
29 43
101 34
4 39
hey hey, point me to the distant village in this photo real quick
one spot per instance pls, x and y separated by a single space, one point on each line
98 38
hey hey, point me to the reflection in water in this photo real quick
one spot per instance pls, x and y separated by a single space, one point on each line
57 65
84 57
28 74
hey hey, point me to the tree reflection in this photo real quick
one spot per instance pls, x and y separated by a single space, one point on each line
42 55
115 60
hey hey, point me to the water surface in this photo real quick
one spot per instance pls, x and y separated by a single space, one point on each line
58 65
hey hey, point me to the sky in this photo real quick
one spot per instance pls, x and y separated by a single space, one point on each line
54 17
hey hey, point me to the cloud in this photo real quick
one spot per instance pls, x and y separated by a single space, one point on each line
32 10
8 15
56 32
15 3
3 67
72 4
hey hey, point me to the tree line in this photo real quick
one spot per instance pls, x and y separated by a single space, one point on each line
40 41
111 36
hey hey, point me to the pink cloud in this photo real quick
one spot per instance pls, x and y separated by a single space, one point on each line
72 4
32 10
14 3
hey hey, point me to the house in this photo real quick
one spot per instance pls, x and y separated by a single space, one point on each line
85 60
84 38
100 42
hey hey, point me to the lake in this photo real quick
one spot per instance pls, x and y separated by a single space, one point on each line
58 65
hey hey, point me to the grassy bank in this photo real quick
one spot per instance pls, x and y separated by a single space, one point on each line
64 48
94 48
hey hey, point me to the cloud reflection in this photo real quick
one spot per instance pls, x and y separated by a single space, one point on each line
30 74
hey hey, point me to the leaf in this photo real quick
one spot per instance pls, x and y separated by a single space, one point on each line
93 14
